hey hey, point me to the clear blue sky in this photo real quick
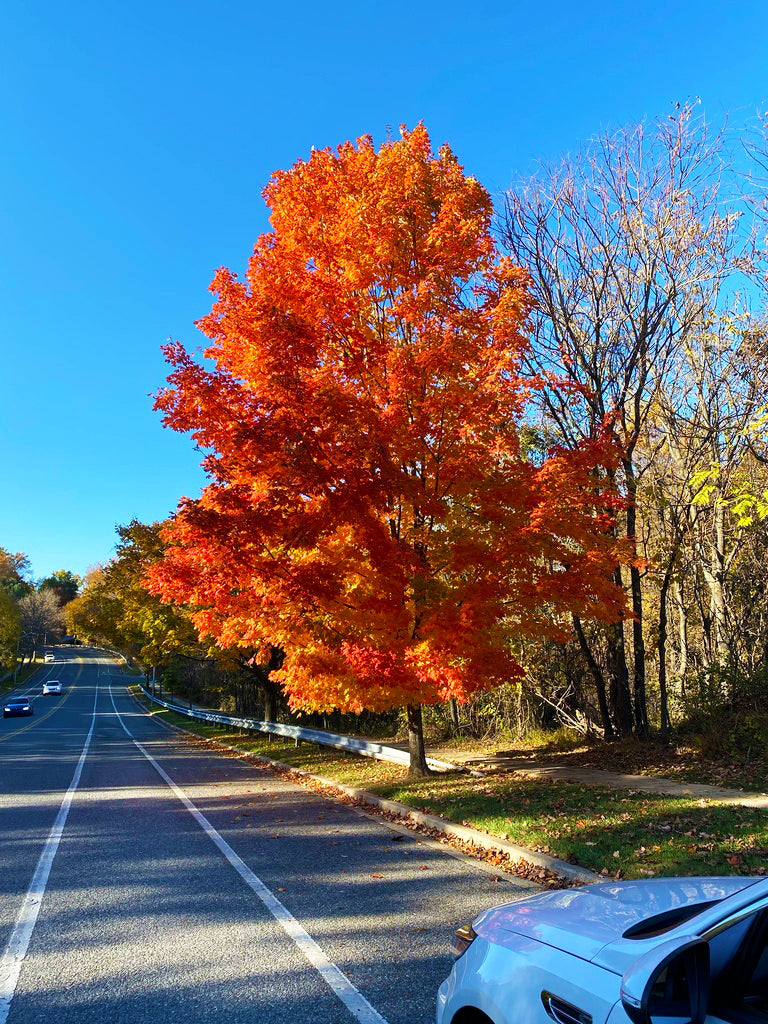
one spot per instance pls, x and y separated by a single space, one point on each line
137 138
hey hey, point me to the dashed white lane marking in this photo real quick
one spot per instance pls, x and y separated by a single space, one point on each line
337 981
16 950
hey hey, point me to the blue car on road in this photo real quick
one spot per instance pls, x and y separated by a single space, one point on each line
18 706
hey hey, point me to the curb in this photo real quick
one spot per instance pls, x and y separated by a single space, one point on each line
463 833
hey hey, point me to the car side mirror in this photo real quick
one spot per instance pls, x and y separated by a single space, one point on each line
672 981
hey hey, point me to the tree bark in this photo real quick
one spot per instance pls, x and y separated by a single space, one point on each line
418 767
454 708
682 633
618 673
717 575
269 691
272 690
599 679
640 705
663 696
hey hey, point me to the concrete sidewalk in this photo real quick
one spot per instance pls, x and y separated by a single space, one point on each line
597 777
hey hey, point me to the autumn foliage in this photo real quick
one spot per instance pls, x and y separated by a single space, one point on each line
371 509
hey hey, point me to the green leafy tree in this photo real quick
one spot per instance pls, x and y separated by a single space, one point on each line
153 629
63 583
93 615
14 573
114 609
10 630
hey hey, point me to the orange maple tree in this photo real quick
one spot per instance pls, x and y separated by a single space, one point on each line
371 510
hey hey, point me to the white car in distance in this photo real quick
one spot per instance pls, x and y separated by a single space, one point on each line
49 658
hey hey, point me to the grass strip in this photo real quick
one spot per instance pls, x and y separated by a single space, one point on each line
617 833
23 674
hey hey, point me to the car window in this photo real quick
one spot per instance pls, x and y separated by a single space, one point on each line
756 987
739 971
724 946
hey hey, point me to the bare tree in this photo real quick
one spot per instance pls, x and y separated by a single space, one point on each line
716 431
629 245
40 614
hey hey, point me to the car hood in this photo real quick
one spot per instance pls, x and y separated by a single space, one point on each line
591 921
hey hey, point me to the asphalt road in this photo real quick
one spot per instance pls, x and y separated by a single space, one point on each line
145 878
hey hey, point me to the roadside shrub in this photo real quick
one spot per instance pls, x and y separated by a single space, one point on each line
726 710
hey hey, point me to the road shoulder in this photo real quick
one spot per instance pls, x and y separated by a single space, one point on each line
510 858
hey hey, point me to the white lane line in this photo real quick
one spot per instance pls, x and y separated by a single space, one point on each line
338 982
16 950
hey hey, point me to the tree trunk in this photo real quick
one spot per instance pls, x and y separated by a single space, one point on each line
271 689
618 682
599 680
716 582
418 767
682 633
618 673
640 705
663 697
454 707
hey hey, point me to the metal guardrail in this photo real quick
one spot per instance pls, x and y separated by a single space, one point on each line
327 739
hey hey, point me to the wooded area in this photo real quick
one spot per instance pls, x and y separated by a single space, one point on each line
448 457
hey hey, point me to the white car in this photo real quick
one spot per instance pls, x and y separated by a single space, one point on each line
49 658
658 951
52 686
